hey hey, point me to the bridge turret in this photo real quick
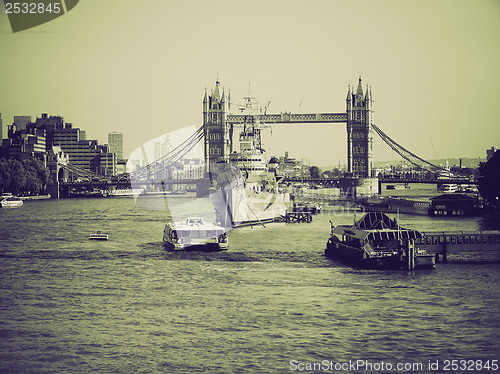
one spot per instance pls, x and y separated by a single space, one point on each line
358 98
349 127
205 106
214 124
349 101
359 132
368 105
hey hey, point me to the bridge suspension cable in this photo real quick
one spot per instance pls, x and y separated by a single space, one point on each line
406 154
80 172
173 156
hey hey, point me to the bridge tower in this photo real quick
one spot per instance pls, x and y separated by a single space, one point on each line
359 132
217 142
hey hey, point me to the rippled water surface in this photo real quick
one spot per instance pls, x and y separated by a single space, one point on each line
70 305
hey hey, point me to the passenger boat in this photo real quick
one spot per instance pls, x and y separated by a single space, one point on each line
377 242
98 236
194 233
448 187
10 201
246 190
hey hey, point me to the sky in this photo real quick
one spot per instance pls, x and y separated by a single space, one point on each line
142 67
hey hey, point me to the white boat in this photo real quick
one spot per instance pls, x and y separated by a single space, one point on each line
246 190
193 233
9 201
98 236
448 187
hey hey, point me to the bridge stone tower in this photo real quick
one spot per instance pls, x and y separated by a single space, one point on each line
217 142
359 132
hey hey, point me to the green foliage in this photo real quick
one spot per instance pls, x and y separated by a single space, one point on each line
315 172
334 173
4 175
489 180
28 177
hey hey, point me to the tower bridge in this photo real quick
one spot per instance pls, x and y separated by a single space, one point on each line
218 127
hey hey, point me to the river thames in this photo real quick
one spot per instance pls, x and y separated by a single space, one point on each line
271 303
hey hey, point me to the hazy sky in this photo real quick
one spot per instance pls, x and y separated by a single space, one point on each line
141 68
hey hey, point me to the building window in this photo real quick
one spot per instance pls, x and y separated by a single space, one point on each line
215 151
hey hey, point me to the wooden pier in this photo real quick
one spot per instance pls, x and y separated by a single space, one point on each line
475 246
291 217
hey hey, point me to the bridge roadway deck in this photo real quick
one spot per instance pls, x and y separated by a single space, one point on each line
127 184
387 180
124 184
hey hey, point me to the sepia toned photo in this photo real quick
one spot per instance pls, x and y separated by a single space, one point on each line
249 187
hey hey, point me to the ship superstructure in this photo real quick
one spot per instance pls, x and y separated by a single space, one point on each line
245 190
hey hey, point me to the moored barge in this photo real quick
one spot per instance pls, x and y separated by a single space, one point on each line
377 242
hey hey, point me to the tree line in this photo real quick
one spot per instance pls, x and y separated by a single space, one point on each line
26 177
489 180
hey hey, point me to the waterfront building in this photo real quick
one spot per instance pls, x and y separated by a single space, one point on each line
183 170
289 167
121 166
162 148
105 161
490 152
83 153
28 139
23 144
86 154
50 125
452 205
115 142
21 122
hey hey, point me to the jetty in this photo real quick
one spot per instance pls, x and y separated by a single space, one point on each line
471 246
292 217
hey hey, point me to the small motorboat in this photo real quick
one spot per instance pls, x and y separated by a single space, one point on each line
9 201
98 236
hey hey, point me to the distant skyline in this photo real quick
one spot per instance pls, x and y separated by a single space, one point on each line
141 69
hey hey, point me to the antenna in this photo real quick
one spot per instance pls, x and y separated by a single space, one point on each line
399 227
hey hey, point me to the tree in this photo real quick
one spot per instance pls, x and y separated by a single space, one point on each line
4 175
489 180
334 173
17 177
315 172
36 176
27 177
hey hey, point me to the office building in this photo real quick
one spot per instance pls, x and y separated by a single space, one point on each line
115 142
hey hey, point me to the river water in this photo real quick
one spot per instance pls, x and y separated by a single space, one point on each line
271 303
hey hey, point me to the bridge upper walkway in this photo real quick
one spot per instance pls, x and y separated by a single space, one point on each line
235 119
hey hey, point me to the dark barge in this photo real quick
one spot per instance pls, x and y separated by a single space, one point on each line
377 242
